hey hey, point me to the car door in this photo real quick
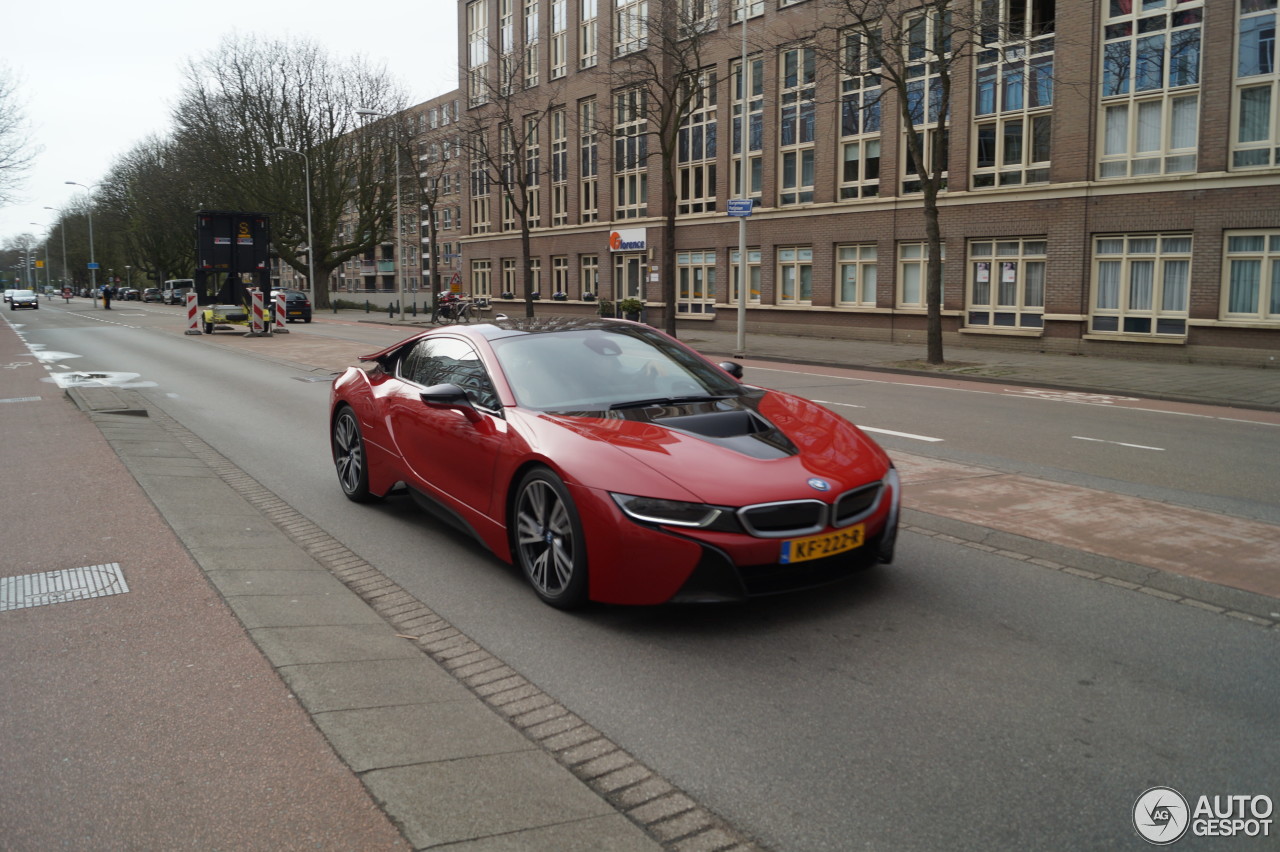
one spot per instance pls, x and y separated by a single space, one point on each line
453 450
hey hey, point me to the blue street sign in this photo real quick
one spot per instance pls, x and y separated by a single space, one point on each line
739 206
94 266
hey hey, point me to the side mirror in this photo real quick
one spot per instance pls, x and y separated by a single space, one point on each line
450 396
733 368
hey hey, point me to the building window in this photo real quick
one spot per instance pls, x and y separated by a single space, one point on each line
531 64
560 276
588 163
589 274
587 34
913 274
753 276
559 168
510 278
795 275
695 283
1252 287
1014 97
1150 89
477 51
630 27
696 147
1006 283
1257 93
630 152
856 276
754 9
754 174
698 16
859 119
559 38
928 46
796 125
1141 284
480 223
532 173
481 283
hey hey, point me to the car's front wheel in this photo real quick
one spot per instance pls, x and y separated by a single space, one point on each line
349 457
549 545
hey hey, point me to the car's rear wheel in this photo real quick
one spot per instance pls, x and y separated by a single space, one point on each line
549 544
349 457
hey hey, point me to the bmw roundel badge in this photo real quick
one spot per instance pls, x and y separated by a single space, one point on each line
819 484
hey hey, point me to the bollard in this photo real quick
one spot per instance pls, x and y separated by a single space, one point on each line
391 311
278 323
193 313
414 306
366 306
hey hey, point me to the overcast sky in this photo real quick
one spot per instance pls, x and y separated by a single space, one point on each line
98 77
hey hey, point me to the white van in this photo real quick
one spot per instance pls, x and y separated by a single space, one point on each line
175 290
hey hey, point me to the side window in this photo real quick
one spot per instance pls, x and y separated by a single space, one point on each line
441 360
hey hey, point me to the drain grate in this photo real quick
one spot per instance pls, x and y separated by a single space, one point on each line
70 584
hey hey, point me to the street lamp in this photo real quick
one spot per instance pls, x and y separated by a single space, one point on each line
63 231
311 249
93 263
399 211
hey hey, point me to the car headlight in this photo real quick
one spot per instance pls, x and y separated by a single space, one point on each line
676 513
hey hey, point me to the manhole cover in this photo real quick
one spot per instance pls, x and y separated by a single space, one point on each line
70 584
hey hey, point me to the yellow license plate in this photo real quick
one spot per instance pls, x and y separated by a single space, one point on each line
818 546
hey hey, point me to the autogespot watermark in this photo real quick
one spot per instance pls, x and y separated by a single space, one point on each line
1162 816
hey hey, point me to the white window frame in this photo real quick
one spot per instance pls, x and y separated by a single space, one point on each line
753 275
630 26
856 275
1259 249
696 148
795 275
1255 116
1005 288
797 118
1140 285
912 281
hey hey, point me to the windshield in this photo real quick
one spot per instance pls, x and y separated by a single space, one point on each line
22 294
594 369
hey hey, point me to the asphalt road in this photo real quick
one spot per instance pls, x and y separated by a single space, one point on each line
957 699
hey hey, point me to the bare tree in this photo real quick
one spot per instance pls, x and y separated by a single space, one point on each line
16 151
250 98
657 85
144 207
438 154
916 50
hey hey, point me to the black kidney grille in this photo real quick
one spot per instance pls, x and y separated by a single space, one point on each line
775 520
852 505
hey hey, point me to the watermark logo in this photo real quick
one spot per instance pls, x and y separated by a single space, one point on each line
1160 815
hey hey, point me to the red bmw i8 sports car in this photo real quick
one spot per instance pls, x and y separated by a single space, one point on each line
612 463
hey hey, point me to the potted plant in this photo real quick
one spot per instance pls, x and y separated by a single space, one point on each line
559 297
588 297
508 295
605 308
630 308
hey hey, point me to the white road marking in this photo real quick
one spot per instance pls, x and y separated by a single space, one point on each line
1118 443
899 434
845 404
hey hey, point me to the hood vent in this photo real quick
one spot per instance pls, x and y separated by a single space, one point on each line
741 430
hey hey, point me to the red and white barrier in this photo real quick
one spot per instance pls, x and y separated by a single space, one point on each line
278 324
193 314
257 323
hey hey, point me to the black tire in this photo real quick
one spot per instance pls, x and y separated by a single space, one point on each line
547 540
307 319
349 457
208 328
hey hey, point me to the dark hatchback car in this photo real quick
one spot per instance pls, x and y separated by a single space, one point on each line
151 294
297 305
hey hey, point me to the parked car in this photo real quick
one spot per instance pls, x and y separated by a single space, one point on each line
151 294
612 463
174 291
128 294
23 299
297 305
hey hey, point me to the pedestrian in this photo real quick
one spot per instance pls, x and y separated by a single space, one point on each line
106 297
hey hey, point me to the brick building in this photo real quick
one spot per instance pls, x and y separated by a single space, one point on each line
1111 169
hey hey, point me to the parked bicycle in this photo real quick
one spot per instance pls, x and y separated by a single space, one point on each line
453 307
